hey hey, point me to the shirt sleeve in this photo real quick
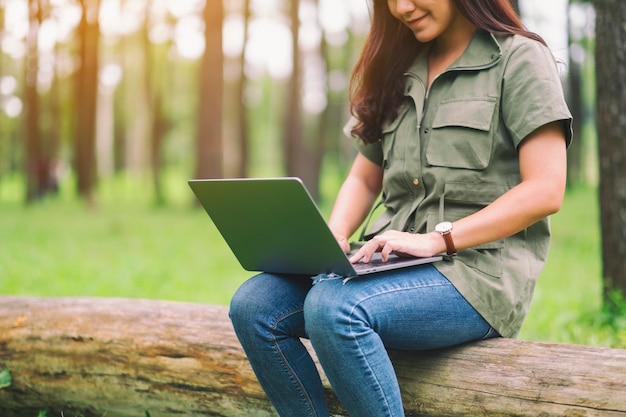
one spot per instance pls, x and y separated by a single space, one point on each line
532 91
372 151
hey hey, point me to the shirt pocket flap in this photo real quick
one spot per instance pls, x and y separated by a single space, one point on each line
474 114
461 136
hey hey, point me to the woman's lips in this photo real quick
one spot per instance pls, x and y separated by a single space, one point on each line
416 22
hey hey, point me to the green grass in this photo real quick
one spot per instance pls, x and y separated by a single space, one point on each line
115 251
569 287
127 247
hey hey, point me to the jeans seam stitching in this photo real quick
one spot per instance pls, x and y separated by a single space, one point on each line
285 362
352 334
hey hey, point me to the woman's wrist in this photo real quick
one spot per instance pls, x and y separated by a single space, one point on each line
438 243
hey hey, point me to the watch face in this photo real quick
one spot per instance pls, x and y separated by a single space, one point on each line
443 227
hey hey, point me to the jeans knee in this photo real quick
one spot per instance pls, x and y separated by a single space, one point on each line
324 310
245 303
268 304
237 309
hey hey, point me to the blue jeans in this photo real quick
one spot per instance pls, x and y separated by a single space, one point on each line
350 325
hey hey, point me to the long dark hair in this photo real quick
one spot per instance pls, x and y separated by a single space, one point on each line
376 85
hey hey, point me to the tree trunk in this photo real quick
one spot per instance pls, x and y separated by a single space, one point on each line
241 116
33 153
209 162
302 153
5 154
124 357
157 120
121 113
86 99
52 148
611 125
574 94
293 138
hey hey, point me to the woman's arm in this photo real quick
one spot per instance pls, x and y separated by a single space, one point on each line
543 167
540 193
355 199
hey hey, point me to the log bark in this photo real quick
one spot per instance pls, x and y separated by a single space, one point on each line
126 357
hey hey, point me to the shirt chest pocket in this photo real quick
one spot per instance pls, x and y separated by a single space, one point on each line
461 134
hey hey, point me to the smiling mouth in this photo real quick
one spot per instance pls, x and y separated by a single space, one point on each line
415 21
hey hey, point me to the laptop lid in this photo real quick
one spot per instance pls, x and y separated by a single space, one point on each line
273 225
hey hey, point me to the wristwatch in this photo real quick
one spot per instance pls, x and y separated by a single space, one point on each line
445 229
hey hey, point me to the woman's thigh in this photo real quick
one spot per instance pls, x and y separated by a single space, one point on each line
413 309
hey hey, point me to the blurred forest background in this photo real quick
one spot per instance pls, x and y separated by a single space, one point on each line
105 99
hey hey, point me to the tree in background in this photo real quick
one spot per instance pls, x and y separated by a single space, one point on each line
303 146
611 125
156 75
35 166
155 101
42 110
293 135
574 96
241 108
86 99
209 145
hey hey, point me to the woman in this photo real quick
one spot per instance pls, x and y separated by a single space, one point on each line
460 122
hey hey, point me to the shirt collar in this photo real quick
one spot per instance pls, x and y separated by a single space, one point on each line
483 51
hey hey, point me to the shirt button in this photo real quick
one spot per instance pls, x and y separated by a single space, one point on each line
412 230
426 130
416 181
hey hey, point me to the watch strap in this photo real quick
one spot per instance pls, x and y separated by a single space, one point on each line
450 248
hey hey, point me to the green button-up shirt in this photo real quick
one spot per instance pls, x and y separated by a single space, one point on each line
453 149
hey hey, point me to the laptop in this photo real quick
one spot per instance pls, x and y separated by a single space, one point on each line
273 225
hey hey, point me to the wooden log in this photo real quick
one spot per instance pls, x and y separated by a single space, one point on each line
126 357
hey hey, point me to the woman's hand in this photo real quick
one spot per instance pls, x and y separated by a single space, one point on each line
402 244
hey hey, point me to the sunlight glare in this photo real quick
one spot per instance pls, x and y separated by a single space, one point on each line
8 85
109 77
314 94
310 33
16 19
13 107
121 19
67 16
189 37
45 75
15 29
232 41
182 8
269 49
160 33
48 35
548 18
334 16
13 47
